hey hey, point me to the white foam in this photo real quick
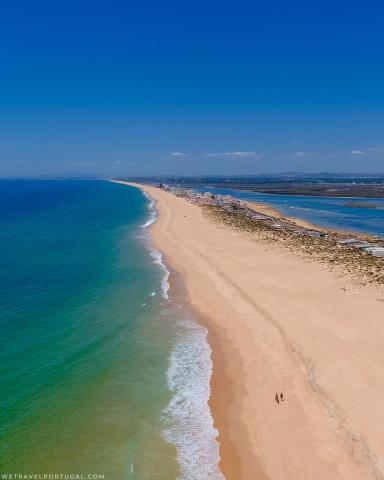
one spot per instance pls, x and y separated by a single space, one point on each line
158 259
155 254
187 418
152 212
188 423
151 219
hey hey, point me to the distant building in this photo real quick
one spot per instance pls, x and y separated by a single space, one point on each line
373 250
348 241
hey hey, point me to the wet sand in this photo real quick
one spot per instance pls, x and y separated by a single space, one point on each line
280 324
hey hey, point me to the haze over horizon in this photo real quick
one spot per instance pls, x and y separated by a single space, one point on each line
190 88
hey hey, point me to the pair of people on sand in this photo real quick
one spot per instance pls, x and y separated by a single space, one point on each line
279 399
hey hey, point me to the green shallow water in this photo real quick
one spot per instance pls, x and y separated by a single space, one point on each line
83 362
100 373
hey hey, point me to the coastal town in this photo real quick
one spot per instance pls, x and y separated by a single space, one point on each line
360 255
229 203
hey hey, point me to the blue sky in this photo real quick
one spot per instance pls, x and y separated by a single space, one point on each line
193 87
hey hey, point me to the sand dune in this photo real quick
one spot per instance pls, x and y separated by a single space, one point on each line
280 324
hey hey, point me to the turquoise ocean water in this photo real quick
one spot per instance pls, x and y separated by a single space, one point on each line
100 371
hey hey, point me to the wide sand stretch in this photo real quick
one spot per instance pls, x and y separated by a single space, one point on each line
280 324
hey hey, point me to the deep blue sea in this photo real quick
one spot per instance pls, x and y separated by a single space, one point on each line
323 211
100 371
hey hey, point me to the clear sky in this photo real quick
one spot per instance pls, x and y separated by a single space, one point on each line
191 87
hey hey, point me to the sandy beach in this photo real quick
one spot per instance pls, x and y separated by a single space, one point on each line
280 324
266 209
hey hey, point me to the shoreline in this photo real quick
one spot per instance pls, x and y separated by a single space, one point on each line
261 344
222 384
173 289
229 463
268 209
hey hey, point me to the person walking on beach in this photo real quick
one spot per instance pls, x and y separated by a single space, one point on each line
277 398
281 397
